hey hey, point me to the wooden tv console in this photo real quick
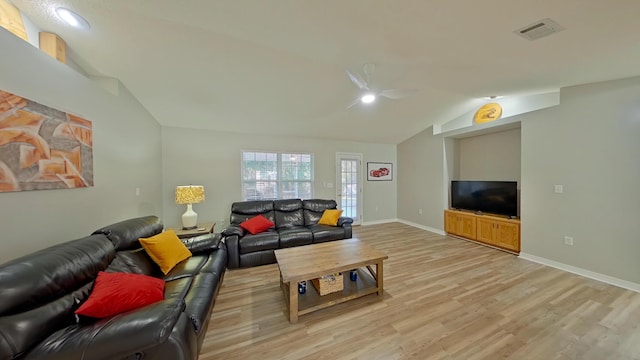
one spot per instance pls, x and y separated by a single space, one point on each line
491 230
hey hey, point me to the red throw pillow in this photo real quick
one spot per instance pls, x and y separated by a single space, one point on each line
114 293
256 224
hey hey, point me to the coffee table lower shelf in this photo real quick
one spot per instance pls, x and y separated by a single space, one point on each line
312 301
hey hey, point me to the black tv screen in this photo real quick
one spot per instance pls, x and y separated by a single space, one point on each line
495 197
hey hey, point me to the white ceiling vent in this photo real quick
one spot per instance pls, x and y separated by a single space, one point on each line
539 29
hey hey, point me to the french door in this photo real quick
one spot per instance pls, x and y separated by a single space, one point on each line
349 185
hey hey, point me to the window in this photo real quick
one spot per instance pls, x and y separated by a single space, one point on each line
270 175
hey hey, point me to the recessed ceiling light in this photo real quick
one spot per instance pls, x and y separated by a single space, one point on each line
368 98
72 18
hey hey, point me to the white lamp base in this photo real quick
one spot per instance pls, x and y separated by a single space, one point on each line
189 219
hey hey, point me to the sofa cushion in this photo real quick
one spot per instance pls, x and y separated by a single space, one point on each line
114 293
295 236
166 250
268 240
314 208
288 213
257 224
189 267
322 233
125 234
330 217
178 288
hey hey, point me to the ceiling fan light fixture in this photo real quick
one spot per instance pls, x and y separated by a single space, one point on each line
368 98
72 18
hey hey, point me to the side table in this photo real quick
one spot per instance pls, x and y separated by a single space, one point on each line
202 229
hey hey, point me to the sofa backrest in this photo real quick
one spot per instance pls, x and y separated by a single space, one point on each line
283 213
288 213
244 210
125 234
39 291
313 209
134 262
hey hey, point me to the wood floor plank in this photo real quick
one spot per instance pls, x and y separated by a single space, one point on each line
444 298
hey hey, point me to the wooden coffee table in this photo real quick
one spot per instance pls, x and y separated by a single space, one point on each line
313 261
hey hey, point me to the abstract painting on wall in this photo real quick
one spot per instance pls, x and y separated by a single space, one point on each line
42 148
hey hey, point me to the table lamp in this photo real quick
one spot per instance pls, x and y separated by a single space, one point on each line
189 195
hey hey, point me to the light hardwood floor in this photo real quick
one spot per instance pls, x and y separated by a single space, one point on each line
444 298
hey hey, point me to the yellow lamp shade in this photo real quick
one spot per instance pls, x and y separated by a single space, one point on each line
191 194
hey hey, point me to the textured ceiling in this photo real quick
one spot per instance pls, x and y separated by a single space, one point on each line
277 67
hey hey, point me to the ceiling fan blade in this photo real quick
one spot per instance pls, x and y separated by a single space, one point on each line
357 80
354 103
397 93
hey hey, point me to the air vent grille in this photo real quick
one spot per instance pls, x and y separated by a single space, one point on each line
539 29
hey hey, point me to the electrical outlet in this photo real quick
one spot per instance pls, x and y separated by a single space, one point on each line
419 211
376 209
558 189
568 240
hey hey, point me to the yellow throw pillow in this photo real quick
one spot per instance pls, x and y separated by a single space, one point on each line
165 249
330 217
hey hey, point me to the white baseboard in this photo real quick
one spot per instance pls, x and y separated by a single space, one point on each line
423 227
583 272
385 221
376 222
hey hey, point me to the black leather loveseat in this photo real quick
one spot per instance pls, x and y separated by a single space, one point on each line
39 293
296 224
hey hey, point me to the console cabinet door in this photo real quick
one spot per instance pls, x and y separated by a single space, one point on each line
467 225
485 230
451 222
507 235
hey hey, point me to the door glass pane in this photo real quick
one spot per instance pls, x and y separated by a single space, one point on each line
349 188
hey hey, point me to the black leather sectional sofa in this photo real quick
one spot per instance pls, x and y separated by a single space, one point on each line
296 224
40 292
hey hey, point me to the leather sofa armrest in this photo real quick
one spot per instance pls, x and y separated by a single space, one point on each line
233 251
202 243
344 220
234 230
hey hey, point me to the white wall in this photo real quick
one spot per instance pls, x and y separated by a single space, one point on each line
126 155
591 145
212 159
421 180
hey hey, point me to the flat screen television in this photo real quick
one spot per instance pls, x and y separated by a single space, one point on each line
495 197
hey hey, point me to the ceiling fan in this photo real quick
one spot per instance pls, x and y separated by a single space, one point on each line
369 95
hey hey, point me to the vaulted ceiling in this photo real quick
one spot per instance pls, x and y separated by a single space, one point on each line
278 66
